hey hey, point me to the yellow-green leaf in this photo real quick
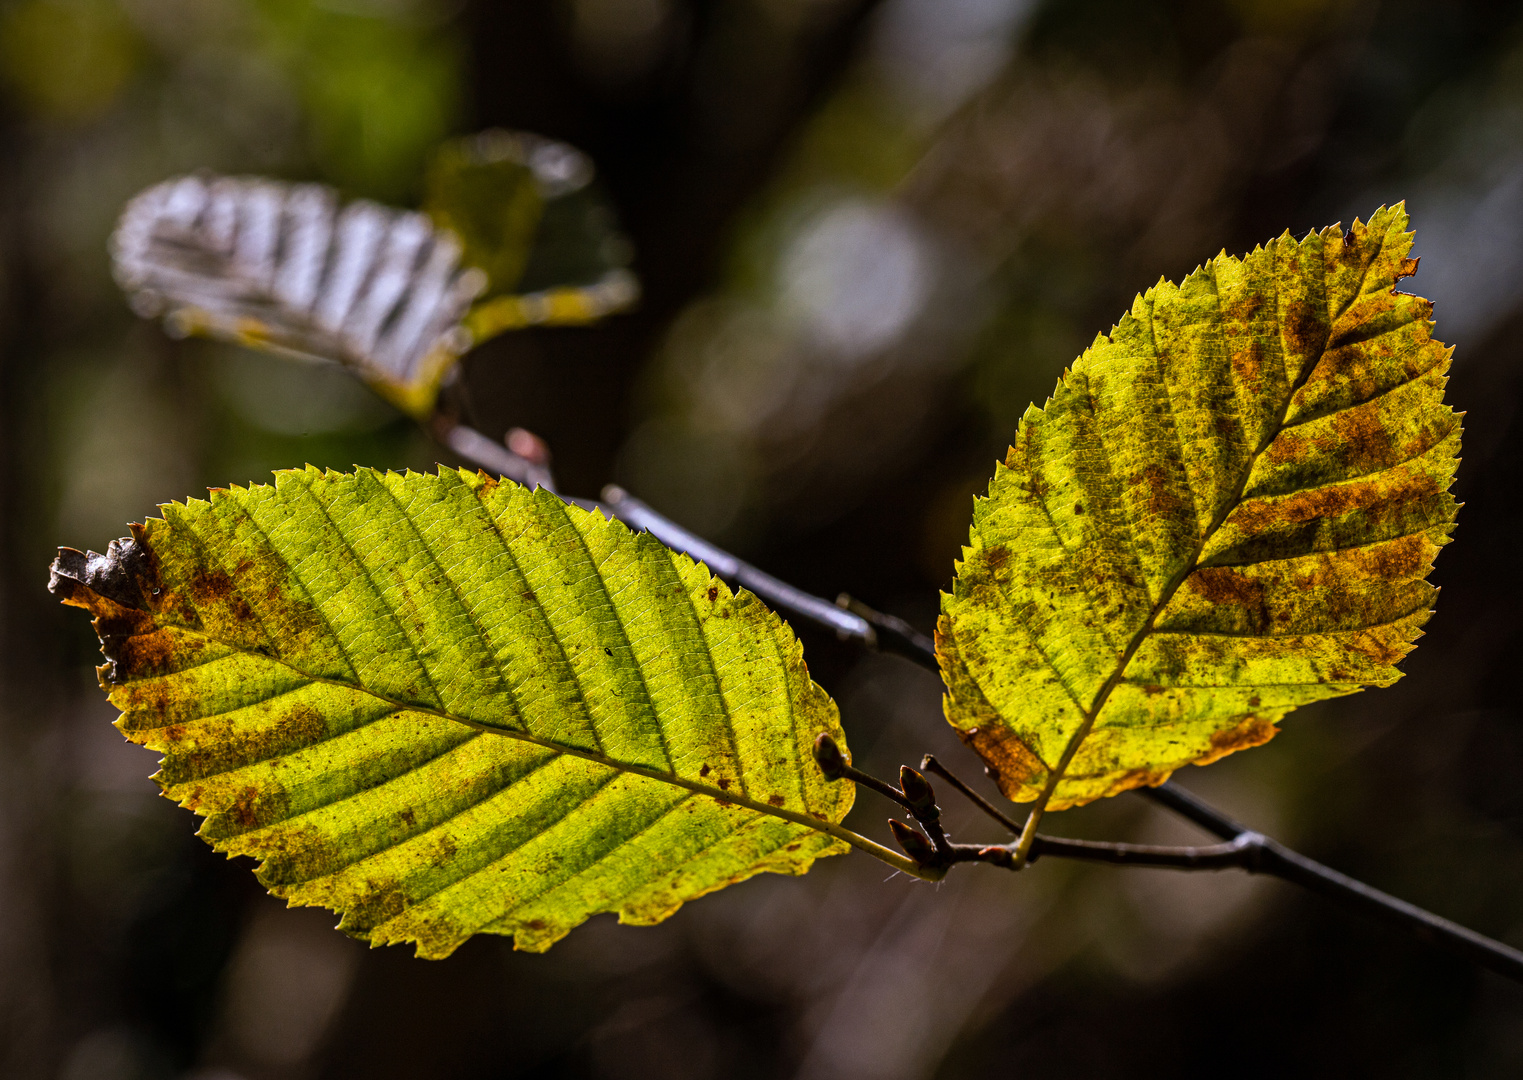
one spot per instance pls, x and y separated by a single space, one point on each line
1227 509
444 705
488 196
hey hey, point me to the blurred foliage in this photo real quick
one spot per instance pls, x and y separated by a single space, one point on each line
377 80
68 59
374 83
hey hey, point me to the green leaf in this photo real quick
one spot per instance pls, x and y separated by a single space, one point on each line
444 705
528 213
487 195
1226 510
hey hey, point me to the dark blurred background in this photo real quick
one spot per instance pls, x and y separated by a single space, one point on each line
869 233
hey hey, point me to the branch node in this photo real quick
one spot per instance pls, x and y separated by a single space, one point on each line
930 764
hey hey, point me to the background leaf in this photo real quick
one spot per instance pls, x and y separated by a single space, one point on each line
1226 510
286 267
442 705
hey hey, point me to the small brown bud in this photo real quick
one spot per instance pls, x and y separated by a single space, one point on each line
828 756
915 845
916 789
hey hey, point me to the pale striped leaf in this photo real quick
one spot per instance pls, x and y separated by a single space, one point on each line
513 237
443 705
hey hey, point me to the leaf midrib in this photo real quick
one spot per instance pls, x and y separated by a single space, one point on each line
819 824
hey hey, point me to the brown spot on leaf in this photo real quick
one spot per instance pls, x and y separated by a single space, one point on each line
250 808
704 771
1162 500
302 725
1225 585
1379 645
1288 446
724 785
1400 560
146 654
1245 308
713 594
1009 761
1364 445
209 586
775 800
442 851
1252 731
1335 500
1304 331
1248 364
244 809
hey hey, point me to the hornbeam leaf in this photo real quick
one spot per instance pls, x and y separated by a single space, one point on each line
444 705
1226 509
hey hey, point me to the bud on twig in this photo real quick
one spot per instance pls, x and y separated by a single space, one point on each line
828 756
999 856
527 445
915 846
917 790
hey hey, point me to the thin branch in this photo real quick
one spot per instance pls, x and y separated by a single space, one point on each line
1231 855
1244 849
893 635
930 764
639 516
1194 808
1258 854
